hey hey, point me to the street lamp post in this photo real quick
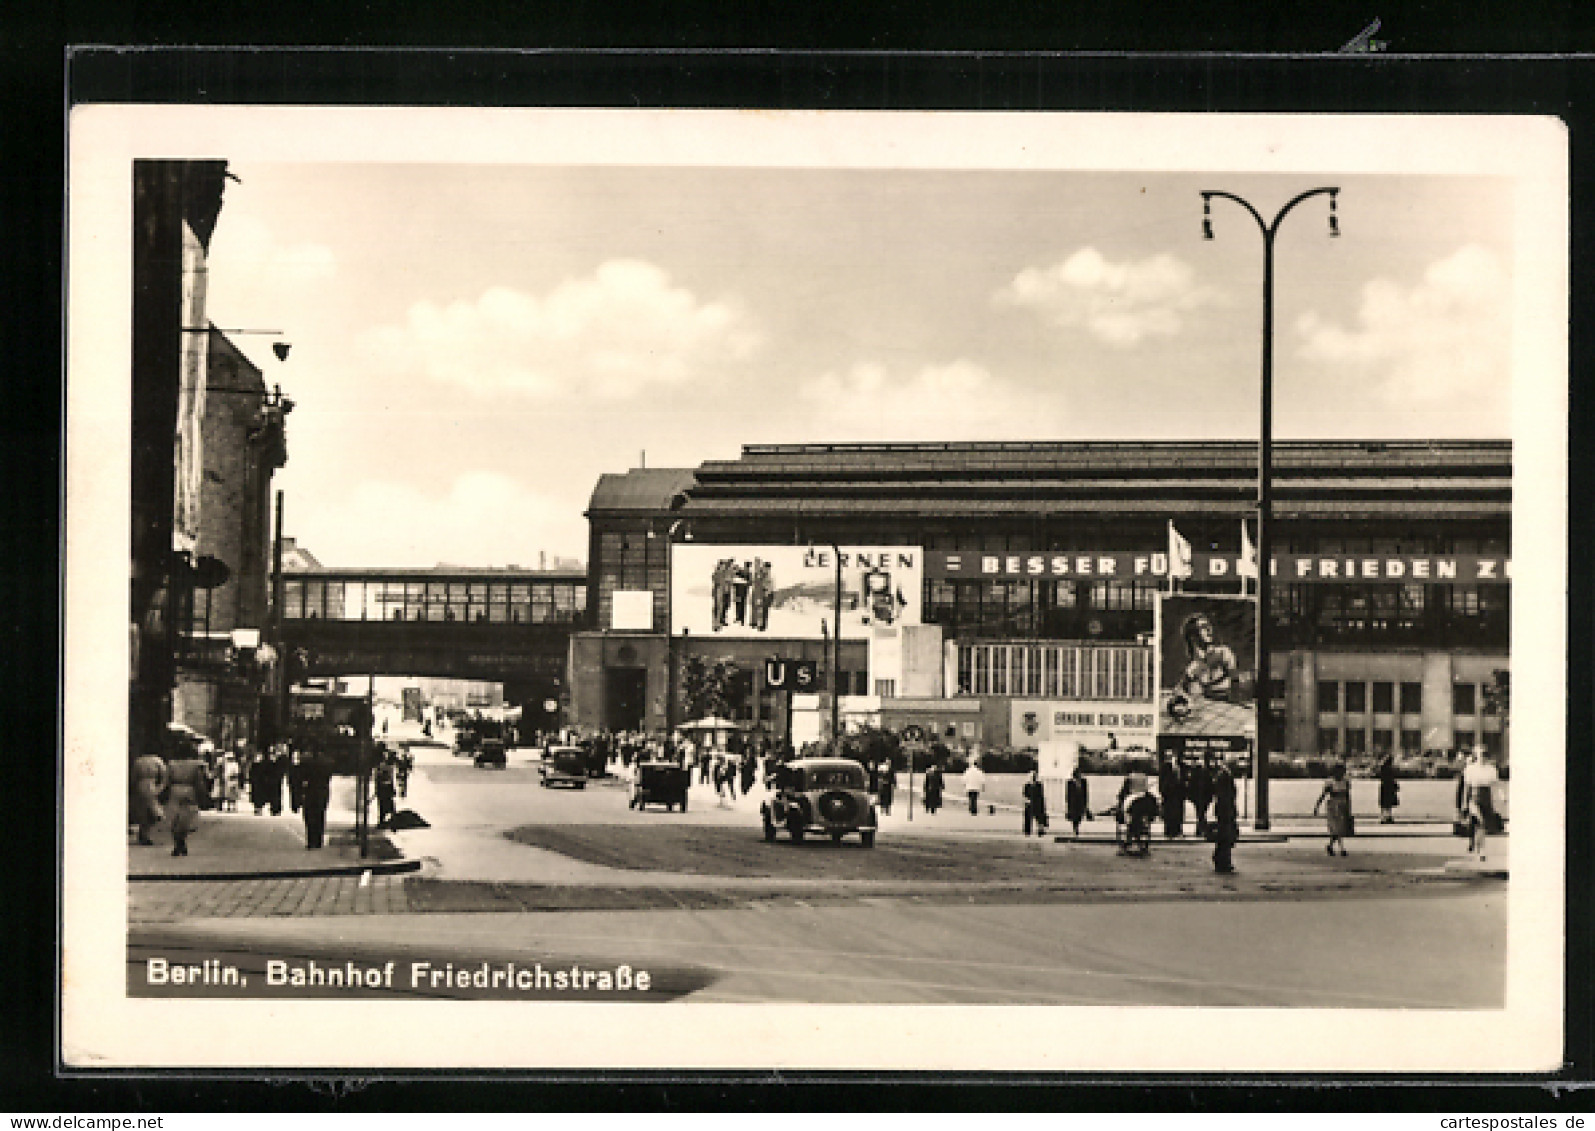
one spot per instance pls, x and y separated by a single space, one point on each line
1265 463
836 662
670 639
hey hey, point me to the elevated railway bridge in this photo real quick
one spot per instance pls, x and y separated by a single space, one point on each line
509 626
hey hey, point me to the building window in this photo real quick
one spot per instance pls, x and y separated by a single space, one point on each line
1463 699
886 688
1063 671
1356 742
1328 740
1328 696
1411 742
293 600
1356 697
1411 698
1382 741
1384 698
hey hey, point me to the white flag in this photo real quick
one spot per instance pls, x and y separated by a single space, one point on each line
1248 563
1179 554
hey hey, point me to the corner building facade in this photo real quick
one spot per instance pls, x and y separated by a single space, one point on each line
1039 569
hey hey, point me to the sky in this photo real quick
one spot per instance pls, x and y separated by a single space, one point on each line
473 346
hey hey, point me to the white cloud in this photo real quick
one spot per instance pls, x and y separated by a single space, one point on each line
960 400
1118 303
481 518
1446 337
244 251
615 333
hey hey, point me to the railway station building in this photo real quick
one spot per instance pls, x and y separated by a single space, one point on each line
991 591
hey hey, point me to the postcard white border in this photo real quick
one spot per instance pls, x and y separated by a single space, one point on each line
102 1028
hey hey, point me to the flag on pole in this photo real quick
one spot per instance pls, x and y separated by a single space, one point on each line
1247 567
1179 555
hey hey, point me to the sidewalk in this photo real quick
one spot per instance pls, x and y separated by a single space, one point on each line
242 846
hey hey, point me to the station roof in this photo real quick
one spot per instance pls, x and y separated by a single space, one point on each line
1447 479
645 490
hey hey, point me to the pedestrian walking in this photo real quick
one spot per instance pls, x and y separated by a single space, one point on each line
1337 791
1035 795
729 771
1077 799
933 788
1172 792
275 777
232 780
315 791
887 784
1389 790
974 783
1480 779
387 788
750 772
1141 809
189 784
1199 790
258 773
149 780
1225 829
405 763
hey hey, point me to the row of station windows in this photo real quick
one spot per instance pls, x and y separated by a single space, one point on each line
497 602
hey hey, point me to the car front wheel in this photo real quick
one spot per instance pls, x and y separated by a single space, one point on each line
795 827
868 837
769 828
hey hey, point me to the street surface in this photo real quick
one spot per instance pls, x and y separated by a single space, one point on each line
946 908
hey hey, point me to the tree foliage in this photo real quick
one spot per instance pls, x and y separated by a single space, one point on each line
721 688
1498 694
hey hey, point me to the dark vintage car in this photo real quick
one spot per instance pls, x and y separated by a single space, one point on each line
661 783
466 742
564 765
492 753
821 795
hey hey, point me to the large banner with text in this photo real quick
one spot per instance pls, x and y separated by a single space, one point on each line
790 592
1131 565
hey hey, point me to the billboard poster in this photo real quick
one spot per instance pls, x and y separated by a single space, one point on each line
789 592
1089 724
1206 665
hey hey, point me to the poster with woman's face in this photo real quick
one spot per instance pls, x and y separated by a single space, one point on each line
1207 664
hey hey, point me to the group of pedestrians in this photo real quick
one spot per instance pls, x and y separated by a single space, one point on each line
191 775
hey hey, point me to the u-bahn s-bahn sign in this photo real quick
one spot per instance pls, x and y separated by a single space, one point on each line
800 676
1130 565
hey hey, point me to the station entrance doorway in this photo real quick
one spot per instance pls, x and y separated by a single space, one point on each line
625 698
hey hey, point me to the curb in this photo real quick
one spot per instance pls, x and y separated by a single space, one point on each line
375 867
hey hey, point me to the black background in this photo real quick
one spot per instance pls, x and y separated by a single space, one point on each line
833 55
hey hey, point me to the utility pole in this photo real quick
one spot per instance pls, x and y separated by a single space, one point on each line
836 664
1265 467
280 706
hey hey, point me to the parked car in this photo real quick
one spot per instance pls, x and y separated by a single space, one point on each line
824 795
564 765
466 742
661 783
492 753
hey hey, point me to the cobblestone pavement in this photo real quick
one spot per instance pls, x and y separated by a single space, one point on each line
308 896
164 902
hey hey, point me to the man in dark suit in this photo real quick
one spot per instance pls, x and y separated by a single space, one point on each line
315 791
1226 829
